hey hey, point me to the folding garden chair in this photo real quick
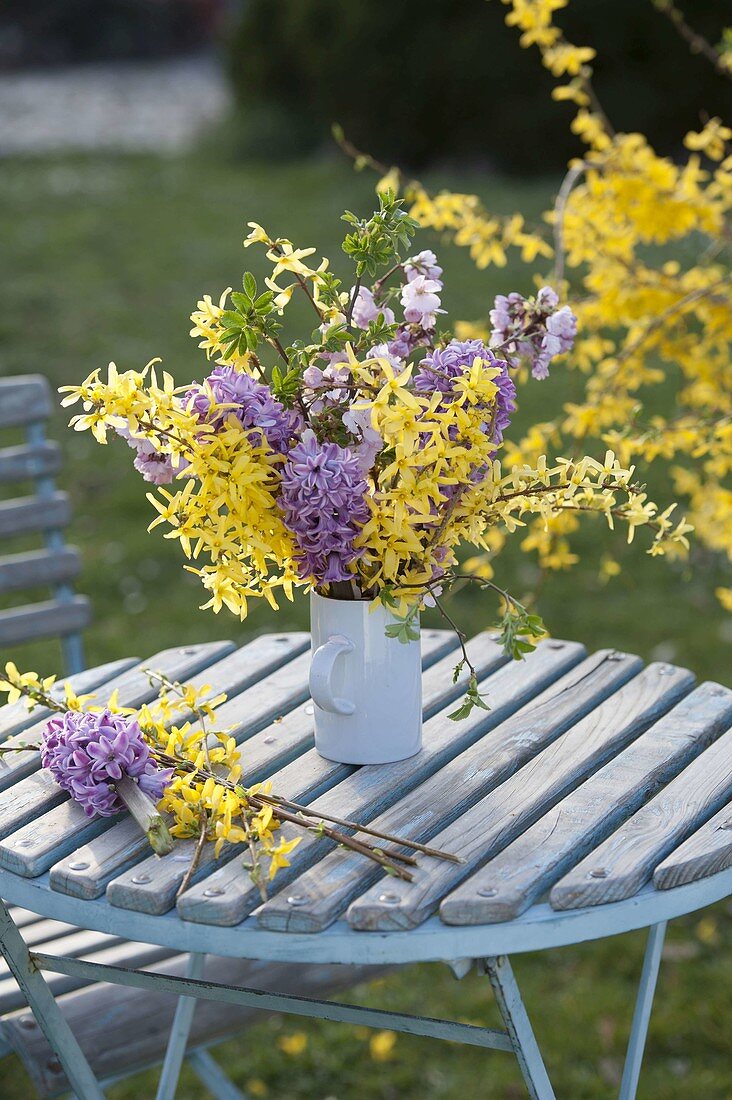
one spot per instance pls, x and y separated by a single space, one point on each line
38 517
31 527
122 1031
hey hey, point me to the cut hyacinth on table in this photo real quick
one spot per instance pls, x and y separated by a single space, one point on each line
170 751
357 461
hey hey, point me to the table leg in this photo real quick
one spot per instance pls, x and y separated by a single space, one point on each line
518 1026
213 1077
47 1013
179 1032
642 1013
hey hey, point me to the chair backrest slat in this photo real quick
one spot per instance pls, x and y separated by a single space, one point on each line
24 400
26 515
43 620
26 403
37 568
27 463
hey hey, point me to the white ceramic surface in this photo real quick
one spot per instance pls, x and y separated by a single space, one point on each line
366 687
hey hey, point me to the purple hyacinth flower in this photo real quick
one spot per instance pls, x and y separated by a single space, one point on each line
441 367
324 505
252 404
152 464
88 753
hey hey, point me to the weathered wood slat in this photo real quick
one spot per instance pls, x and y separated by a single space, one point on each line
140 1021
38 568
514 806
618 867
325 891
30 461
516 877
152 885
24 399
706 852
108 951
23 515
94 865
44 620
134 688
25 463
16 717
228 895
38 793
47 838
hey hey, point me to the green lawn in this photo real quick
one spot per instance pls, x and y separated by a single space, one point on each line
104 259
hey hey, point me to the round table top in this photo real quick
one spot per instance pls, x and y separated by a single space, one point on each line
538 928
592 799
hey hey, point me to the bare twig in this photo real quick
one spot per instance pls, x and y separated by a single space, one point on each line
696 42
346 824
191 870
560 206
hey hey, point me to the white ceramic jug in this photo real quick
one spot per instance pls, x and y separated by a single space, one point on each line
366 687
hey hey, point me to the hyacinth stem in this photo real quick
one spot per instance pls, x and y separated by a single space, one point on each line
145 813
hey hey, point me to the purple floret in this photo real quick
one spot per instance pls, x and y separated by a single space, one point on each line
88 753
532 330
439 369
253 406
324 506
154 466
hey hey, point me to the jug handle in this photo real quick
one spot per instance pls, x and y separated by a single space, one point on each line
321 671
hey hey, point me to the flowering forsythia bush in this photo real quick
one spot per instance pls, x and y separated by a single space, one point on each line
356 462
646 240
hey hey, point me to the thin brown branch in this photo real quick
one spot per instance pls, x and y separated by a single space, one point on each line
696 42
346 824
193 866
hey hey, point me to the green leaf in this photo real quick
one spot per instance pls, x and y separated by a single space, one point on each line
457 670
250 285
462 712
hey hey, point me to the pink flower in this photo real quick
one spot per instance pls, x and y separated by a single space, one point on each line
421 301
424 263
365 310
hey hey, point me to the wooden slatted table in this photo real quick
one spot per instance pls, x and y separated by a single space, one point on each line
593 798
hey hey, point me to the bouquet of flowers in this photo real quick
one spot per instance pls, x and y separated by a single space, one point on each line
358 460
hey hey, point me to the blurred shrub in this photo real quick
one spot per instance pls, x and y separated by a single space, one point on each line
418 82
63 32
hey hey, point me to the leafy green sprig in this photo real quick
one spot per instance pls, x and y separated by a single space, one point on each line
374 242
